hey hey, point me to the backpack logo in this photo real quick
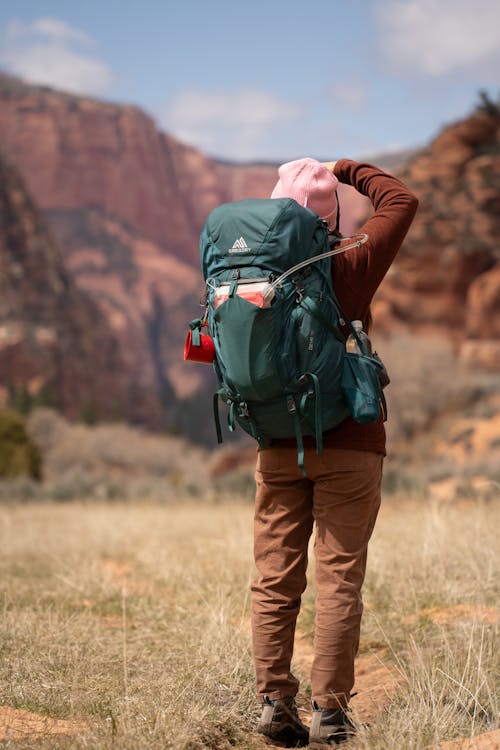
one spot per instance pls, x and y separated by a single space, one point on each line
240 246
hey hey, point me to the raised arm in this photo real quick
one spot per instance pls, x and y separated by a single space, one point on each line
394 209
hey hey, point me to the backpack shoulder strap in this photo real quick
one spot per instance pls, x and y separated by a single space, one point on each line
311 306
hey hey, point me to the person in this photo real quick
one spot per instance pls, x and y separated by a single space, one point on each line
340 494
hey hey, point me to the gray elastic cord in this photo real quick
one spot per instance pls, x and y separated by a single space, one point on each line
360 239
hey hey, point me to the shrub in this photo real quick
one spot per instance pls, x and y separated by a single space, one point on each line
427 381
18 453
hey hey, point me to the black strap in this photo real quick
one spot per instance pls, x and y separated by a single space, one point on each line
348 322
217 417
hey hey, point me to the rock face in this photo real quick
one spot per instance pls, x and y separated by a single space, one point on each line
446 277
78 154
126 204
53 338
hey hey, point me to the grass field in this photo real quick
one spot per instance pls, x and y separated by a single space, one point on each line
127 624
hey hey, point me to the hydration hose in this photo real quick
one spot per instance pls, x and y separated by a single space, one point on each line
360 239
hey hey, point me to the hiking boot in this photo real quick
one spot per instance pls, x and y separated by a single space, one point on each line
280 723
329 726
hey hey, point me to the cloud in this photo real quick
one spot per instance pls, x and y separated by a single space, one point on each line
47 51
58 30
438 37
232 124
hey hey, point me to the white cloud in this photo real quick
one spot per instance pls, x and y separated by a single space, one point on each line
46 51
232 124
56 29
437 37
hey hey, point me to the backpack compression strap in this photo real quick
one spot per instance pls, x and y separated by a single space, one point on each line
292 410
236 408
315 393
311 306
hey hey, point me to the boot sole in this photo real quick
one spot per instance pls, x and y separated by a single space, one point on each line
320 745
285 739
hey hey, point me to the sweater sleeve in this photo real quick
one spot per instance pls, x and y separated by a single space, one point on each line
358 273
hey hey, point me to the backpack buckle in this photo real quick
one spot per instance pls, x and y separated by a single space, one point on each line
306 384
290 404
299 291
243 410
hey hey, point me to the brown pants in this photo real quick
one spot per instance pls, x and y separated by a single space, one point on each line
341 493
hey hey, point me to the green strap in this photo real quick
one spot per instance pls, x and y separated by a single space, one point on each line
292 409
318 423
232 287
217 417
231 420
195 327
253 429
244 413
312 307
235 408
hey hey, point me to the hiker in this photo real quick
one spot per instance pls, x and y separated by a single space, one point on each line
341 492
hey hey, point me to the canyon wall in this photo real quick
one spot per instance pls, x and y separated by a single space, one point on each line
126 203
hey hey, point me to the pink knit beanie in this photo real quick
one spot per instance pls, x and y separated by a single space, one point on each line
311 184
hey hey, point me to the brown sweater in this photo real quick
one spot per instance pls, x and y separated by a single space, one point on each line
358 273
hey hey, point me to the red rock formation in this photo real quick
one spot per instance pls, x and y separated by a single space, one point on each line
78 153
127 203
446 277
53 339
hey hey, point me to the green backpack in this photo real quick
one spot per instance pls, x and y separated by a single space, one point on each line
274 319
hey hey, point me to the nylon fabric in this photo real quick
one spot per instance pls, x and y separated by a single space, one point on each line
262 353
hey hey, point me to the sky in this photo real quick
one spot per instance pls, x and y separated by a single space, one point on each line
269 79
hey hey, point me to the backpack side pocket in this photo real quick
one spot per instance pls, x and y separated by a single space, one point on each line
361 387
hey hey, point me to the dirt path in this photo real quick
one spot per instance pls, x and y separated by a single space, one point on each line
376 681
17 724
487 741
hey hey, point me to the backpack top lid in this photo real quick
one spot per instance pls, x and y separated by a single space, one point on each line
273 234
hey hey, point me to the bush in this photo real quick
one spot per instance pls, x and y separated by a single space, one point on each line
427 381
19 456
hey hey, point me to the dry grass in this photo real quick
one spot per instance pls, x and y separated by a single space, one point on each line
134 620
106 462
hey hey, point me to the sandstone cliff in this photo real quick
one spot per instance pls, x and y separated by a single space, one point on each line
127 202
446 278
53 339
